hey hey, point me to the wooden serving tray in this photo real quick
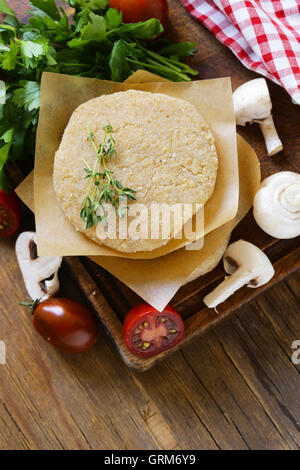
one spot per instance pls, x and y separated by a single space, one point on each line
110 298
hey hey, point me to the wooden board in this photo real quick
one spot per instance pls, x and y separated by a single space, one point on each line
232 388
110 298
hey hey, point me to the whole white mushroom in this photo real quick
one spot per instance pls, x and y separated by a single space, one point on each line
276 206
40 274
247 265
252 103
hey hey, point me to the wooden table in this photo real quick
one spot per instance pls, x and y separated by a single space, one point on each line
234 388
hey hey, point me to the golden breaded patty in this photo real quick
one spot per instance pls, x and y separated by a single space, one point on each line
166 153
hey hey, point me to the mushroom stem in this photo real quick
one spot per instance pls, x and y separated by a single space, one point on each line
228 287
252 103
39 273
273 142
248 266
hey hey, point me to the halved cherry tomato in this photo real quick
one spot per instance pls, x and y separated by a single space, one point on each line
148 332
10 213
142 10
66 324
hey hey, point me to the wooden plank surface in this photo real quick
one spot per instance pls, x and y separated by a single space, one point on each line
234 388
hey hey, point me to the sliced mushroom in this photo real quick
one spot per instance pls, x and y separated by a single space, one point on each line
248 266
40 273
252 103
276 206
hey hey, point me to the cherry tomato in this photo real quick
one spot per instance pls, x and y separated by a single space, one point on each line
148 332
10 213
141 10
67 325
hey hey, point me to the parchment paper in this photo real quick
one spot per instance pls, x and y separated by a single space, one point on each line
61 94
157 280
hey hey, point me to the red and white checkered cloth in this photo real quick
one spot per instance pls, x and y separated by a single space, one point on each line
263 34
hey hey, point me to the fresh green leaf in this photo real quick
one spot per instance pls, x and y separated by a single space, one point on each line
7 136
3 45
35 28
78 43
64 20
9 58
58 31
95 30
12 21
120 68
50 60
28 95
4 8
47 6
143 30
36 48
113 18
18 142
4 151
181 49
89 4
8 28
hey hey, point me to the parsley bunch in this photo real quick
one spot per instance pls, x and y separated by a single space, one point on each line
94 44
103 187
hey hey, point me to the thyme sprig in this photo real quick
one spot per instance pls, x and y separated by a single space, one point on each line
103 187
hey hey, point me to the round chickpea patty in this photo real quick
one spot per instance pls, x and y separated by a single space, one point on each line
165 152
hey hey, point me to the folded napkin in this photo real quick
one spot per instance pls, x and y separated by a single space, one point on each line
263 34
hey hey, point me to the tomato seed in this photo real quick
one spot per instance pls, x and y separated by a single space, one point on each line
146 346
172 331
145 324
4 218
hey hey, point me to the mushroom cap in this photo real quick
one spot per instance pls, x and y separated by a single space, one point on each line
250 259
37 270
276 206
252 102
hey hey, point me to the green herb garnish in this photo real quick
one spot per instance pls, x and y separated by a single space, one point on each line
103 187
94 44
